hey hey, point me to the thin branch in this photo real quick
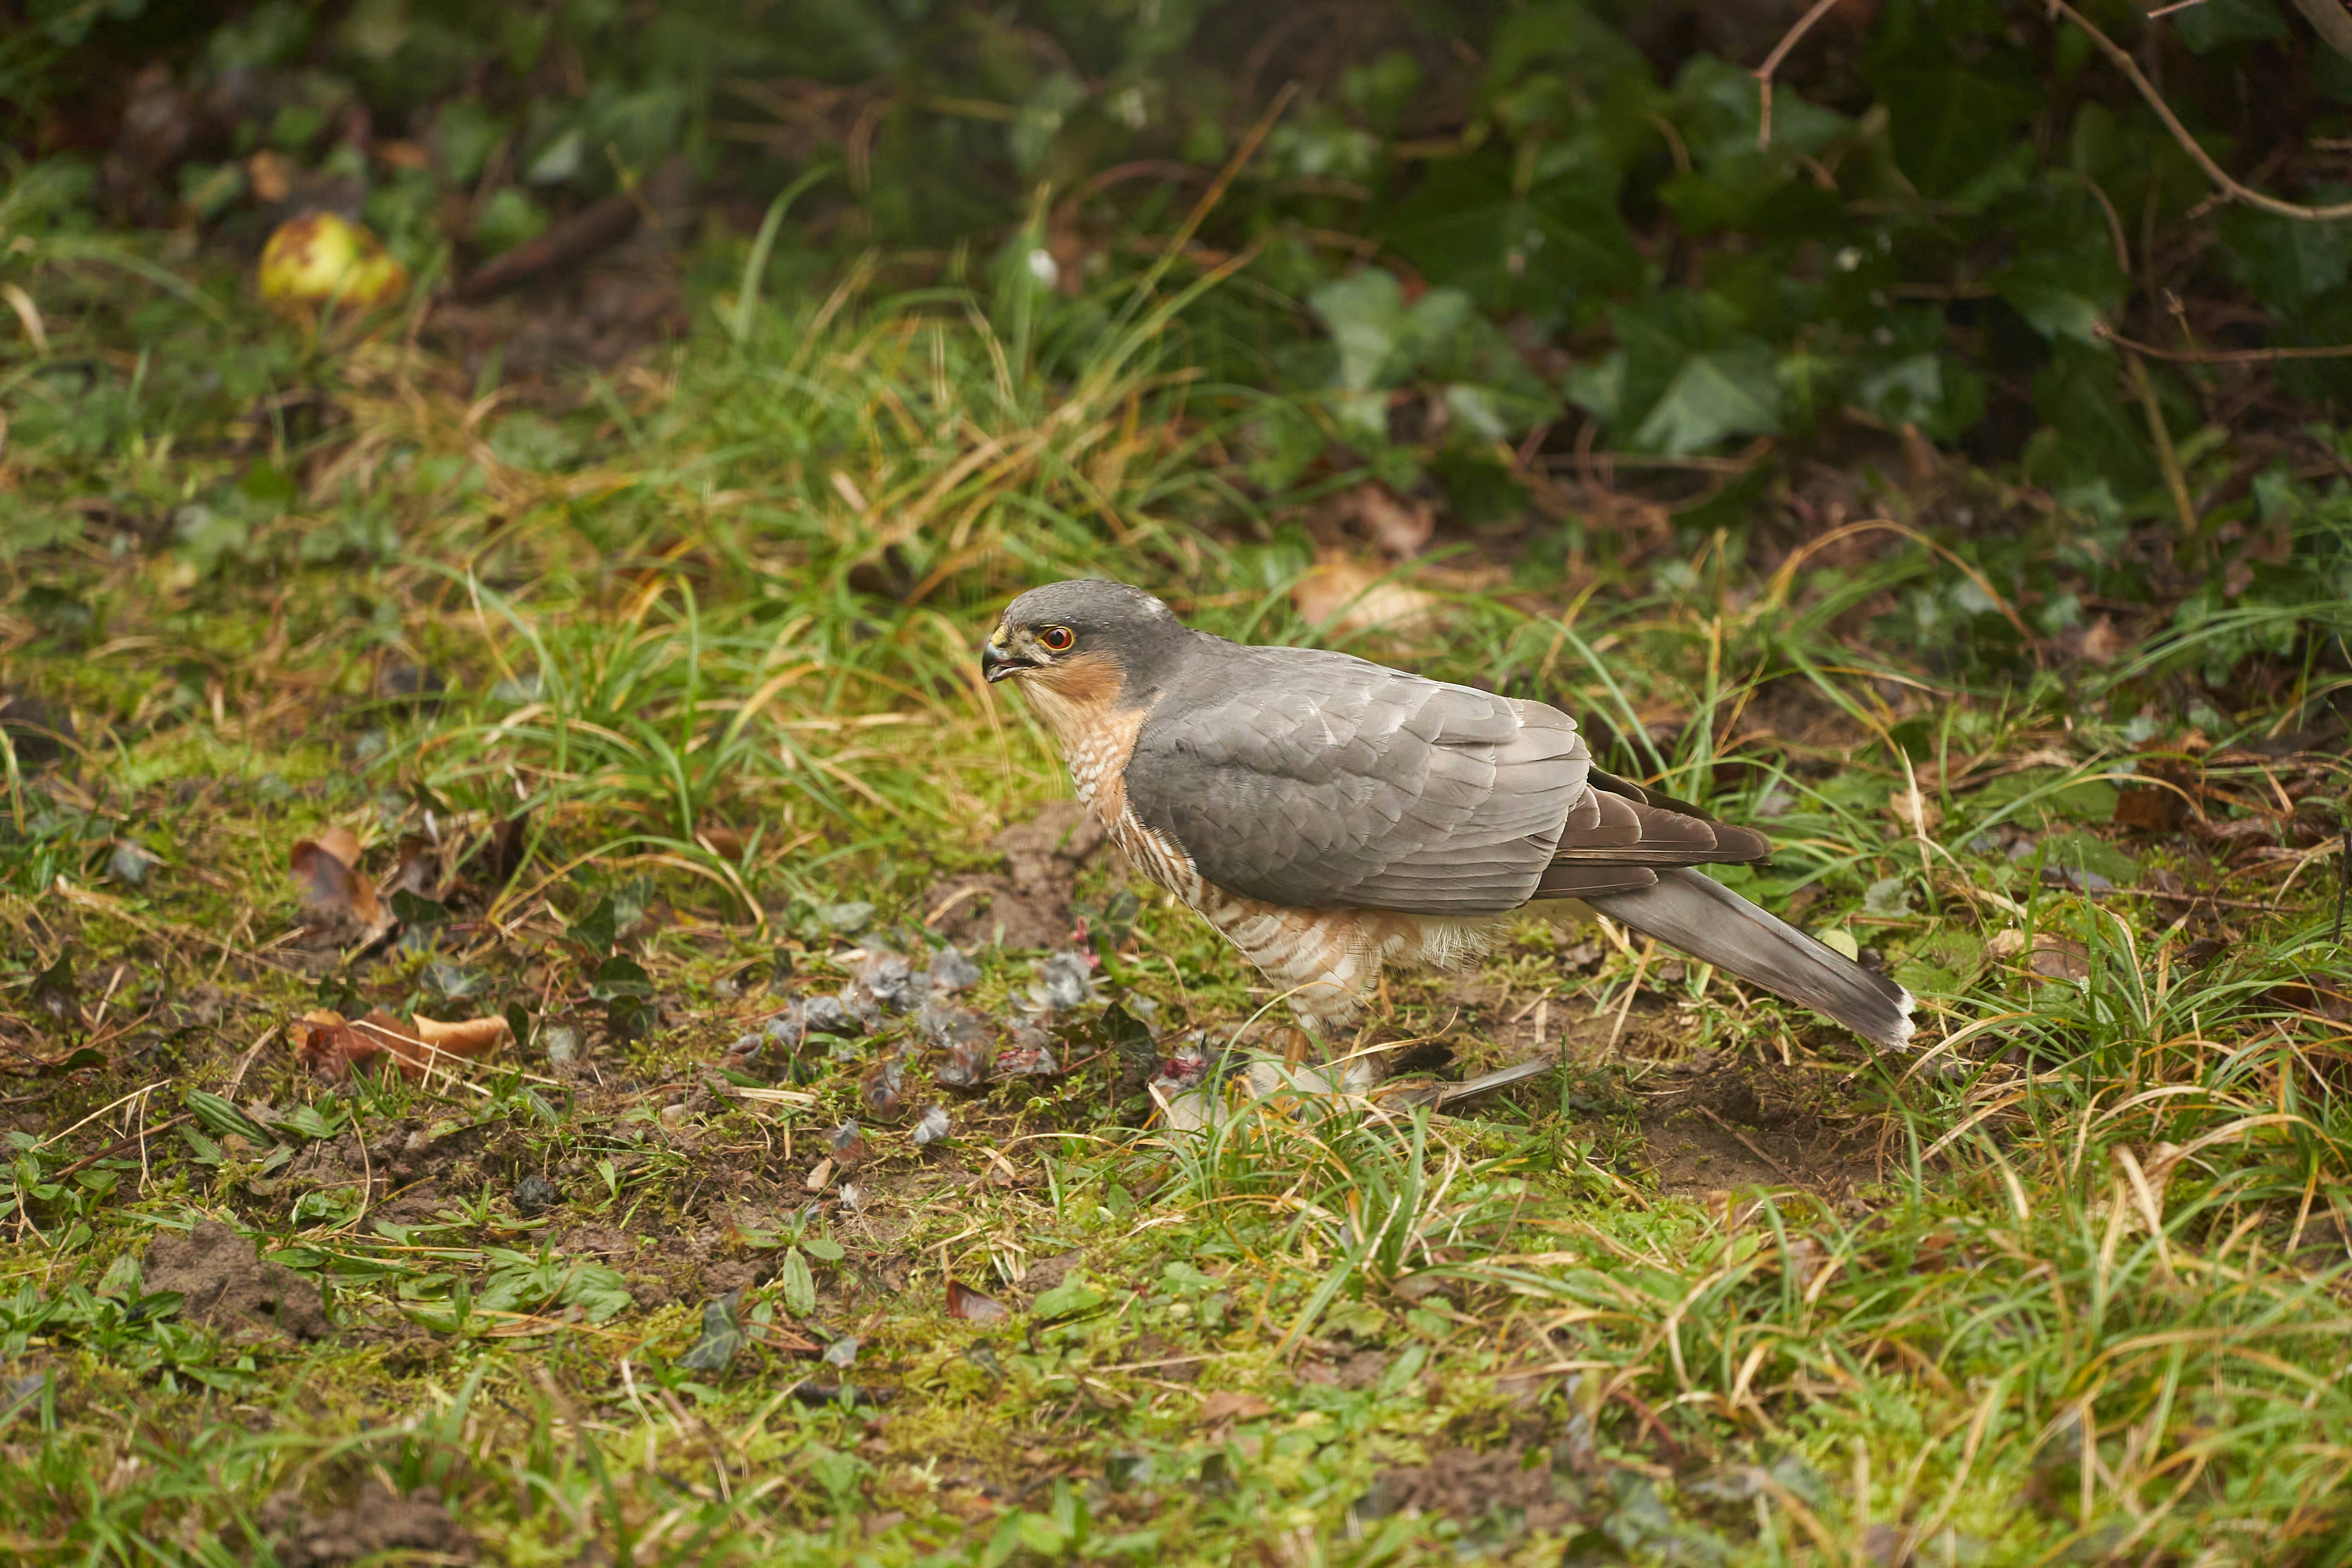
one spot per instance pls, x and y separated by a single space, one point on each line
2223 356
1763 73
2222 178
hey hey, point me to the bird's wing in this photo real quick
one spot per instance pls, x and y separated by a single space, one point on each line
1317 781
1619 832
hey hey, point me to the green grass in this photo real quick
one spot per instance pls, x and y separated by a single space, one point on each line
2068 1286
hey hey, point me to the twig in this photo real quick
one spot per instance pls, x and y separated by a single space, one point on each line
2223 356
1763 73
1751 1145
2343 885
2209 898
120 1145
2228 185
595 228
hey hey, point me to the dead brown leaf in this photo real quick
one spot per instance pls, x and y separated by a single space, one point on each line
333 889
1227 1405
2150 808
1398 528
2058 958
2101 642
335 1048
969 1305
1345 596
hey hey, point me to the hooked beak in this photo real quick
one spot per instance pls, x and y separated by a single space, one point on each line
995 663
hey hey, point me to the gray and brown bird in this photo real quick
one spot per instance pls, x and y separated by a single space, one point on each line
1330 816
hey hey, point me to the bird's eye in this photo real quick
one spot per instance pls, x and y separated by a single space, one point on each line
1056 639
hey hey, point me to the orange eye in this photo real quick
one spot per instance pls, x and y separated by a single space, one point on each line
1056 639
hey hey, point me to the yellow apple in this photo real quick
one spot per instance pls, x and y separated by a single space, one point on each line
318 257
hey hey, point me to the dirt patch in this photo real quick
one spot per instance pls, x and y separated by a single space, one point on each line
379 1523
225 1286
1346 1369
1714 1125
1470 1484
1047 1272
1027 904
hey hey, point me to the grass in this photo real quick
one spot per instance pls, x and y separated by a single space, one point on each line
2069 1285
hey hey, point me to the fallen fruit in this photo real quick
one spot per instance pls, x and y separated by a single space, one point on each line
320 258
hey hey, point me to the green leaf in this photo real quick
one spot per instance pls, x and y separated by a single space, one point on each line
793 1279
825 1247
1563 36
224 1118
307 1120
2085 800
1951 121
2211 23
2083 852
1942 396
2064 278
2285 261
2093 432
722 1336
1944 965
1728 392
1558 248
620 975
600 1292
1365 315
1067 1300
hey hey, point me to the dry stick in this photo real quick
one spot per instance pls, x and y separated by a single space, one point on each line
2221 356
2230 186
1763 73
1751 1145
2343 886
2160 433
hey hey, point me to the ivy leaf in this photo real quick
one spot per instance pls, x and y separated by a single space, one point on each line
1731 391
1952 122
1365 315
1942 396
1558 248
722 1336
2065 279
2285 261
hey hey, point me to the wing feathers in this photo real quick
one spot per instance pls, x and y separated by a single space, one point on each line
1317 781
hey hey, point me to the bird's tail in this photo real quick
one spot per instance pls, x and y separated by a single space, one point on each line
1693 911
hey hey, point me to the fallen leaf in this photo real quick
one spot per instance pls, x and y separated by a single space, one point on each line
2150 808
819 1175
1225 1404
969 1305
2005 943
419 871
335 1047
327 870
1917 815
1398 528
2102 643
2058 958
1345 596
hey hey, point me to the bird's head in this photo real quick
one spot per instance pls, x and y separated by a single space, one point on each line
1082 638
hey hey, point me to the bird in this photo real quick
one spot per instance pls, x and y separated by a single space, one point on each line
1330 816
